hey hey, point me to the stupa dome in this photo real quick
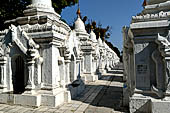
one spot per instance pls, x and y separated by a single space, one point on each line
93 36
100 42
79 25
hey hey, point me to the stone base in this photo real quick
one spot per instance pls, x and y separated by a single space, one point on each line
27 100
125 96
3 89
160 106
89 77
67 96
24 100
99 75
76 89
53 100
145 104
140 105
7 98
108 69
102 71
60 97
55 97
124 78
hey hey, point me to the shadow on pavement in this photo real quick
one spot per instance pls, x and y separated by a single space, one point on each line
114 78
116 71
109 96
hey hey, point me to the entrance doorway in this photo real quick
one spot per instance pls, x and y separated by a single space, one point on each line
18 75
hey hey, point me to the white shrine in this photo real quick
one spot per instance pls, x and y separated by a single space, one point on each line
146 57
45 63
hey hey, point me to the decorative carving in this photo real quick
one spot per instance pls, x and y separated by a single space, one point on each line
139 47
72 46
162 66
160 15
1 51
4 32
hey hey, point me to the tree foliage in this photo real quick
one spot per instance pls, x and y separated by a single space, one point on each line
104 33
10 9
61 4
115 49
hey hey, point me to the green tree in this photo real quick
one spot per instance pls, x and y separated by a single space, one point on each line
61 4
10 9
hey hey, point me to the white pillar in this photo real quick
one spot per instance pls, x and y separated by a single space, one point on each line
67 69
30 83
39 63
3 82
88 62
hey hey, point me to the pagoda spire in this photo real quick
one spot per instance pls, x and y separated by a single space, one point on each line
144 3
78 10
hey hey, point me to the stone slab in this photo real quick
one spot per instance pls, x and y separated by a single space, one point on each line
160 106
151 24
52 100
140 105
6 98
27 100
148 105
90 77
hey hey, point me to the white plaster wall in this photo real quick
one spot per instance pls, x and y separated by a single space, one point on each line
47 64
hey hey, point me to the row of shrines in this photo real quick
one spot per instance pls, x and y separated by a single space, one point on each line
146 59
44 62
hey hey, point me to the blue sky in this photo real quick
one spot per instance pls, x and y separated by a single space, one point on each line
115 13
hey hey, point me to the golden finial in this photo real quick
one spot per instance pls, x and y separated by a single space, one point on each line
78 11
91 26
144 3
99 34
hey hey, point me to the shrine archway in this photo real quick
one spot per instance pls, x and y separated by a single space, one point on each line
18 74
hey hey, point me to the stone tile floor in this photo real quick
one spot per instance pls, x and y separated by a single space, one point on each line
102 96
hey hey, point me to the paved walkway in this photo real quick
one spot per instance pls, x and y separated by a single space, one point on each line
102 96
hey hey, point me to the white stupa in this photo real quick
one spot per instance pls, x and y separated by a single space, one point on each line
79 24
93 36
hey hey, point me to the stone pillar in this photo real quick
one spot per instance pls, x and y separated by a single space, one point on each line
107 64
67 69
88 63
39 63
82 65
101 63
3 81
94 65
110 63
30 85
73 75
97 64
50 69
78 68
167 58
61 64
